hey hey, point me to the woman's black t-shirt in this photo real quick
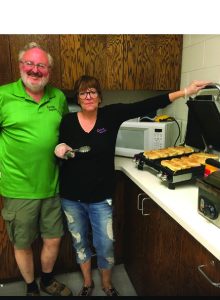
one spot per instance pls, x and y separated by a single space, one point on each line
89 177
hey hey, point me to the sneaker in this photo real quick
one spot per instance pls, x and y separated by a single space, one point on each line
111 292
86 290
56 289
33 293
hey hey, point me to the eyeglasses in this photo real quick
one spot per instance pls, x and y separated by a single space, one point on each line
92 94
30 65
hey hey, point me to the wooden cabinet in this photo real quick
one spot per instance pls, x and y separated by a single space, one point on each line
194 257
133 238
99 55
152 61
150 265
161 258
119 217
120 62
5 64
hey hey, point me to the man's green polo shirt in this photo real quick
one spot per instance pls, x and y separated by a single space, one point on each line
28 135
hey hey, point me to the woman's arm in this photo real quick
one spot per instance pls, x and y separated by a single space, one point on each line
192 89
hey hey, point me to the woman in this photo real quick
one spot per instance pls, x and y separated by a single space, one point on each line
87 179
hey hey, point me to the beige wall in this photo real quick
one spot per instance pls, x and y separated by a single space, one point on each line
200 60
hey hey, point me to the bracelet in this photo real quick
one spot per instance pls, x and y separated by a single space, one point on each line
185 93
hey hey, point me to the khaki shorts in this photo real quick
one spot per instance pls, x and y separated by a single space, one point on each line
27 219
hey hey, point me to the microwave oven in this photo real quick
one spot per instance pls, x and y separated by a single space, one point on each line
135 137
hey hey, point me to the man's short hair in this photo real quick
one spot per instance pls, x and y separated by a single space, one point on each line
35 45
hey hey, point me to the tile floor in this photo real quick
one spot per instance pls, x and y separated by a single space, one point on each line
74 282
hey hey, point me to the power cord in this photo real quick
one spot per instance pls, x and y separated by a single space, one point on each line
179 131
172 119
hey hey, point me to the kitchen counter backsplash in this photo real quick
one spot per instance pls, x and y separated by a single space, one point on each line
125 96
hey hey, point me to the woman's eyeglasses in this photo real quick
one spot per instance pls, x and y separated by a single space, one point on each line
92 94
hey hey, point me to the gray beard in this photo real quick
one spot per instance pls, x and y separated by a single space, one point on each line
34 87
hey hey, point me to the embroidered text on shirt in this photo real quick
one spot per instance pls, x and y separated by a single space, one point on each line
101 130
51 107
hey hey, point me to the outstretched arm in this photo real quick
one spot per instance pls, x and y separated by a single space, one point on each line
192 89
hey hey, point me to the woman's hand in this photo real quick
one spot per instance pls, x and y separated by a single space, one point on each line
195 86
190 90
62 149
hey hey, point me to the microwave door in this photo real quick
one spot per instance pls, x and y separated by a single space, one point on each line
130 141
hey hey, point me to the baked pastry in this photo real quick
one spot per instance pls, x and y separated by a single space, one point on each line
185 149
172 151
151 154
202 156
182 163
207 155
191 161
172 165
167 152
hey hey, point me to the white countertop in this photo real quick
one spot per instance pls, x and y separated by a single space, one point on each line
180 204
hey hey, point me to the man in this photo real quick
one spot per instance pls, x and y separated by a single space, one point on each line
30 114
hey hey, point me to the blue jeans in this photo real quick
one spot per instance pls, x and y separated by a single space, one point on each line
79 215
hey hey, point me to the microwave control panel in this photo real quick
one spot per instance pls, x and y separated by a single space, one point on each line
158 138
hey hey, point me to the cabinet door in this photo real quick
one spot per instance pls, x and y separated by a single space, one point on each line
152 245
95 54
133 236
161 252
200 270
5 63
118 217
152 61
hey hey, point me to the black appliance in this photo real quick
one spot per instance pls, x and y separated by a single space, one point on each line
203 126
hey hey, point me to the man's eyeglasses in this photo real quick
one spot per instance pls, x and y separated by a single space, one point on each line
30 65
92 94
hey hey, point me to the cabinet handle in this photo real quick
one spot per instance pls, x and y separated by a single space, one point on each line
138 201
146 198
216 284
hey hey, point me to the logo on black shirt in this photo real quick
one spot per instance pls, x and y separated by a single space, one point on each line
101 130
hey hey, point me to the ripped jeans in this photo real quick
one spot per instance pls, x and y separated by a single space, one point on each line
79 215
